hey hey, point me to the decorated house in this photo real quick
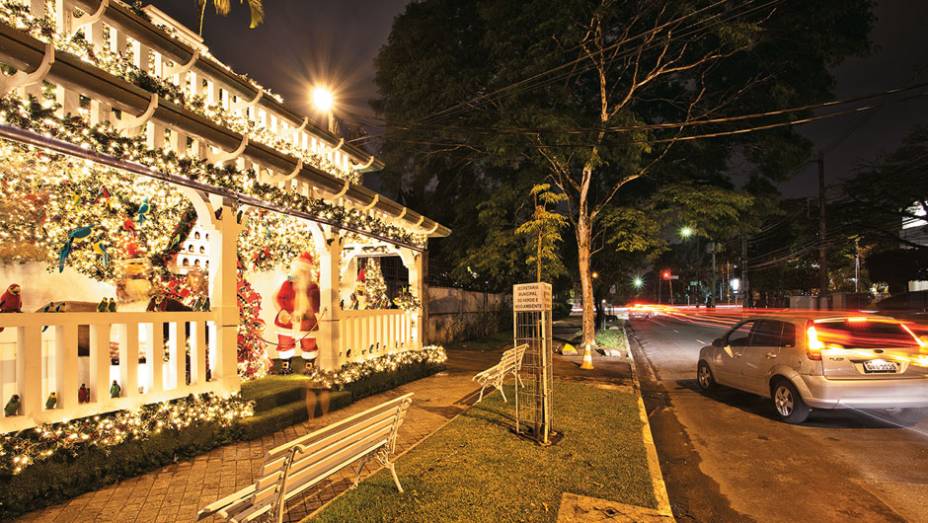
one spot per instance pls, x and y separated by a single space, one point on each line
170 227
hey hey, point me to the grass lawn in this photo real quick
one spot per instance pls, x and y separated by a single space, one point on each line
272 384
612 339
474 469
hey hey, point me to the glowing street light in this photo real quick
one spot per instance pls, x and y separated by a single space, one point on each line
638 282
323 99
324 102
686 231
595 275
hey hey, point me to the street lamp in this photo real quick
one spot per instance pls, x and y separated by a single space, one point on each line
324 102
686 231
638 282
595 275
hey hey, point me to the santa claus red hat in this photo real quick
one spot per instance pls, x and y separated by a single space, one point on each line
305 259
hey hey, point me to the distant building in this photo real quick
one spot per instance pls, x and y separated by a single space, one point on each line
915 230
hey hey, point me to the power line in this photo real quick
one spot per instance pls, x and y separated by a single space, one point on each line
521 83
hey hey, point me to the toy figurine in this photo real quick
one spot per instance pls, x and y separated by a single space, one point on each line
115 390
83 394
52 401
12 408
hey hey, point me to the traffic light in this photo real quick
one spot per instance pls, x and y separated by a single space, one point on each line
666 274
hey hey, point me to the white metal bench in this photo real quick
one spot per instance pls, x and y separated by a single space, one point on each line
509 363
296 466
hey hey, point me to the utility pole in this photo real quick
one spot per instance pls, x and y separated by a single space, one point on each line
746 300
822 228
659 285
715 277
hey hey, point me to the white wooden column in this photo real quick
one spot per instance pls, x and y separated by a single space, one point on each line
417 263
29 370
66 366
330 256
224 291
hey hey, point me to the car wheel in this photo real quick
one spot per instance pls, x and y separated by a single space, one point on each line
788 403
704 378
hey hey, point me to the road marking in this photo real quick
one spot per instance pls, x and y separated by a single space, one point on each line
700 341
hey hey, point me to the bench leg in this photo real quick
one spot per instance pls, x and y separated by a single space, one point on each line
357 478
481 394
384 458
502 392
396 478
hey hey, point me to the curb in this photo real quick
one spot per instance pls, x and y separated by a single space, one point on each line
654 464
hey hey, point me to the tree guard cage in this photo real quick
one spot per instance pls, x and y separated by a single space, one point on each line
531 309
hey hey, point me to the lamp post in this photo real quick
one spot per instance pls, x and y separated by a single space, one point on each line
324 102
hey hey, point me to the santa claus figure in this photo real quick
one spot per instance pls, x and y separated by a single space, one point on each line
298 305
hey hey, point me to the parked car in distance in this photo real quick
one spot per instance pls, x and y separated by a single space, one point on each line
844 362
907 305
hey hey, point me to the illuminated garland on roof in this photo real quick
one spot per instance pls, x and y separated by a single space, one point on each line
120 64
31 115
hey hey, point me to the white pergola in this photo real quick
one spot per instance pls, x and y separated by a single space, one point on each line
235 123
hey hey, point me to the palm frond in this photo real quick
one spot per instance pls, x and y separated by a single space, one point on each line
256 7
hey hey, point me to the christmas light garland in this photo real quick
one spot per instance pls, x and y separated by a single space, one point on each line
56 194
406 300
270 240
22 449
30 114
120 64
355 371
253 361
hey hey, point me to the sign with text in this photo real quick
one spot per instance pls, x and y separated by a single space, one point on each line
528 297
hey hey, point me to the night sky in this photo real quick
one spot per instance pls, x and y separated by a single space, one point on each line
334 42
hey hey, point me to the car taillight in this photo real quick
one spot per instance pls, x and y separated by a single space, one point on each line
814 350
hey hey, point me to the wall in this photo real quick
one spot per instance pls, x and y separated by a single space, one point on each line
455 314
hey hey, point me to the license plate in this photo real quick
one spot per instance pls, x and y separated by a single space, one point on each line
879 366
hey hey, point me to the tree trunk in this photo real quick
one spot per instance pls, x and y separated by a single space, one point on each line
584 239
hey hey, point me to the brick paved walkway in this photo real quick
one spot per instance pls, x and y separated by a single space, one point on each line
176 492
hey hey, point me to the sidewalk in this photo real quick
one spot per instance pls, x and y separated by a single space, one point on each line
175 493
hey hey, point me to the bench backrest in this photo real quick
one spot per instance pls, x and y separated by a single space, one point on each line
303 462
512 358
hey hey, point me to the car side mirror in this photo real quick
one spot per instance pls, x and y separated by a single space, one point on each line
718 342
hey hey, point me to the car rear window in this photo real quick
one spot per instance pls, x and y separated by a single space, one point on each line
864 334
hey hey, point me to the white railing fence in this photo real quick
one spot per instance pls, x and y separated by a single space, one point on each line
370 333
152 356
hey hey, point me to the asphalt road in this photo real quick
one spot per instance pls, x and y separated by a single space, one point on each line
726 458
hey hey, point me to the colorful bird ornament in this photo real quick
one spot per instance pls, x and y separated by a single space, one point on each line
74 234
143 211
100 249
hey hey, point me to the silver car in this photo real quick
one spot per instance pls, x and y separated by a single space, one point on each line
847 362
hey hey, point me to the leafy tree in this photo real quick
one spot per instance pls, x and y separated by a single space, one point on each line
544 231
601 96
895 190
224 7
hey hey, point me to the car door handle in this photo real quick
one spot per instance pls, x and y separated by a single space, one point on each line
771 355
